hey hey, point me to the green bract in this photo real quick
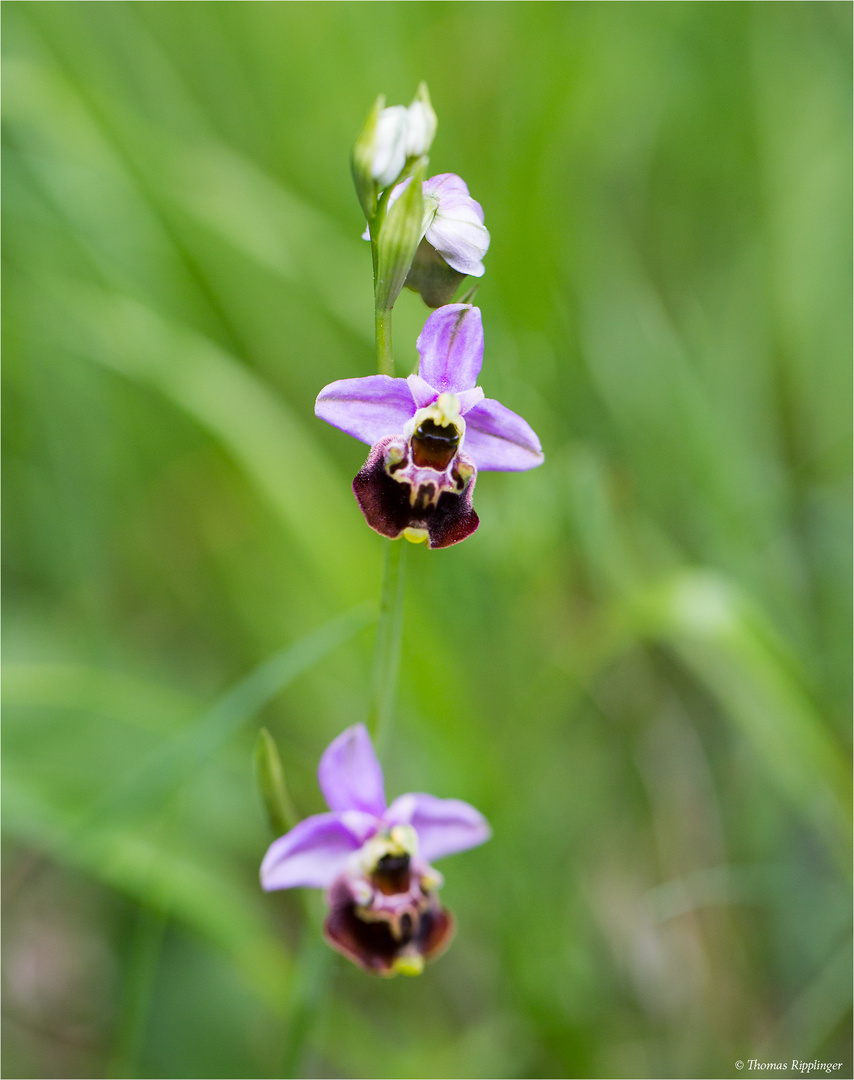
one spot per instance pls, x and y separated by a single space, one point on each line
398 240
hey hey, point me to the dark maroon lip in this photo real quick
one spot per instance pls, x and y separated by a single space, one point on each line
390 506
374 939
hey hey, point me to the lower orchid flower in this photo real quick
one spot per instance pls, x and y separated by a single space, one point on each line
374 860
429 434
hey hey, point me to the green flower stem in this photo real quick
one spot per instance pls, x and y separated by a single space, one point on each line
138 991
387 645
390 622
382 315
312 984
385 353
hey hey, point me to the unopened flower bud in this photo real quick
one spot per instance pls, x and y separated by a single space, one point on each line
379 153
390 145
421 123
362 160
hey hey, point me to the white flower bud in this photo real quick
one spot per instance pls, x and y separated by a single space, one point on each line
421 126
389 146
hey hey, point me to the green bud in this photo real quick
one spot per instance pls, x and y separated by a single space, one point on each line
362 160
271 783
400 235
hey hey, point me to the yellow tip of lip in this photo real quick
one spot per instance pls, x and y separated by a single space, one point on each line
409 965
416 536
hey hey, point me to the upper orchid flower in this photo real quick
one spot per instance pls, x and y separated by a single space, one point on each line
374 860
429 434
454 238
453 222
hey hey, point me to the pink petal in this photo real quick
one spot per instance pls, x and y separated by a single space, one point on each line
369 408
312 854
349 774
457 231
499 439
469 398
453 193
422 392
460 239
444 826
451 348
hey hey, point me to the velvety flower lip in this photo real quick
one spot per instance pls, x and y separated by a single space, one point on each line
453 222
373 860
451 351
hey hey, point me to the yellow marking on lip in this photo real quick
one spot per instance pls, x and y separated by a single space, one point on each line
447 408
409 965
444 412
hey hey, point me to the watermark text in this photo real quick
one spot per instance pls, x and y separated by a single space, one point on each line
755 1065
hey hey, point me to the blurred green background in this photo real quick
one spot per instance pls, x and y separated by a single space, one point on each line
638 667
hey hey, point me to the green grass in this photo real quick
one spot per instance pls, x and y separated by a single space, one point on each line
638 667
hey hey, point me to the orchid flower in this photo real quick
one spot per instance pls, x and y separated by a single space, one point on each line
374 860
454 238
429 434
453 222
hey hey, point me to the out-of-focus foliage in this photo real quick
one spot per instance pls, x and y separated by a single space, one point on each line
637 668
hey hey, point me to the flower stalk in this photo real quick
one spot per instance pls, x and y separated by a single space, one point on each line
387 646
385 350
395 231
